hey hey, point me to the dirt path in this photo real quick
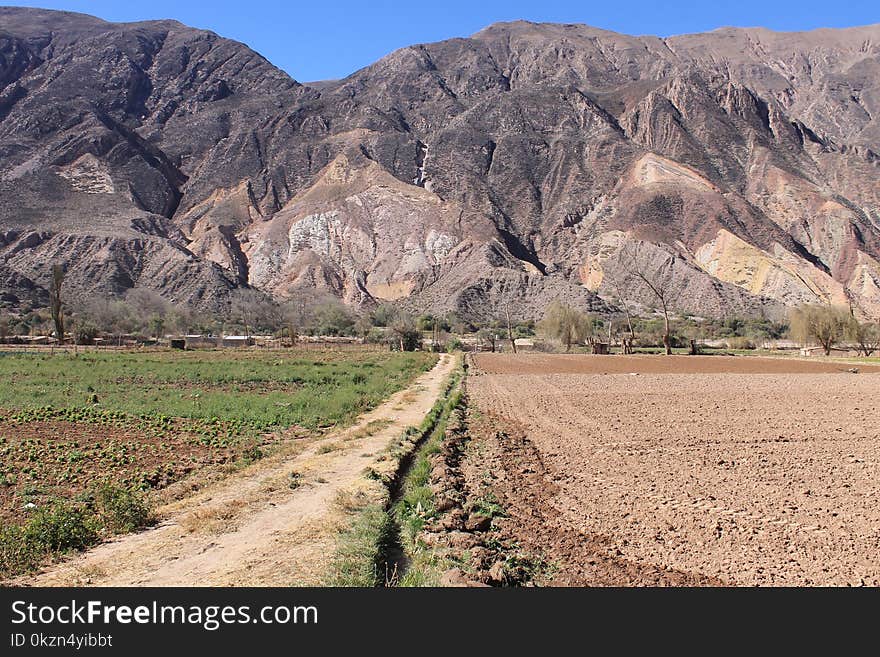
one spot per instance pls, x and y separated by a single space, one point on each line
272 524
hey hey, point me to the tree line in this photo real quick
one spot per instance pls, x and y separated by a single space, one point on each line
145 313
820 324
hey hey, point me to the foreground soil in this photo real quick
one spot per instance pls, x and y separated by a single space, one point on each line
274 523
736 470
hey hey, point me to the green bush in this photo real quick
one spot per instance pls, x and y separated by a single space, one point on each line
85 332
375 336
17 555
61 527
454 345
55 529
121 510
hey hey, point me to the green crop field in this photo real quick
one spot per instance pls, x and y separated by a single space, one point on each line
252 390
71 425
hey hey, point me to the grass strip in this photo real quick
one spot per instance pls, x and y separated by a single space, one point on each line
373 545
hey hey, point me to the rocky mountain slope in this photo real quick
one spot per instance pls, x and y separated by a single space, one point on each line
738 170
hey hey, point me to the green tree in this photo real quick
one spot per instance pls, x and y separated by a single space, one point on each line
404 333
566 324
823 324
85 332
383 315
332 318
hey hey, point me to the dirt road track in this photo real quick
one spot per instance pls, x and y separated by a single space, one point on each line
253 528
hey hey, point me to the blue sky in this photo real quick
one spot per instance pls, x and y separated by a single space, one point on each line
323 39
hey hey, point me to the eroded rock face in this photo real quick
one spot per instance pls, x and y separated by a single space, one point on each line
524 164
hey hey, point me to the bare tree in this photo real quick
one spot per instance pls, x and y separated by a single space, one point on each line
509 329
657 284
179 319
866 335
627 344
253 310
296 312
111 316
148 309
55 303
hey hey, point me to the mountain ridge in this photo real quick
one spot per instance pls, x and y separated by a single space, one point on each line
526 163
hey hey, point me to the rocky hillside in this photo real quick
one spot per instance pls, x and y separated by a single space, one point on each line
738 170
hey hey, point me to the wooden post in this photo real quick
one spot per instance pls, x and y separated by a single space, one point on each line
509 329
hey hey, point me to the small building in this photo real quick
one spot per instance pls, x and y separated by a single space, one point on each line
237 341
201 342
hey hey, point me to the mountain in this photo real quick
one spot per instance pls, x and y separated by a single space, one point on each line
738 170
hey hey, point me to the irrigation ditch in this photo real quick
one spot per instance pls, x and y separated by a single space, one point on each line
424 525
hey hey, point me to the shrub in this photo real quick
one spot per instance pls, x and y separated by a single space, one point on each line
454 345
249 456
375 336
740 343
120 509
85 332
60 528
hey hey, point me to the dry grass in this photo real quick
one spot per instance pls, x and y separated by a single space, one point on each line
350 500
214 520
370 429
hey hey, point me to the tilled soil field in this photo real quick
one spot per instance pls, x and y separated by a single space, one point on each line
535 363
712 472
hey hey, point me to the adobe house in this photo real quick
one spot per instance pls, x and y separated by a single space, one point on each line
237 341
201 342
